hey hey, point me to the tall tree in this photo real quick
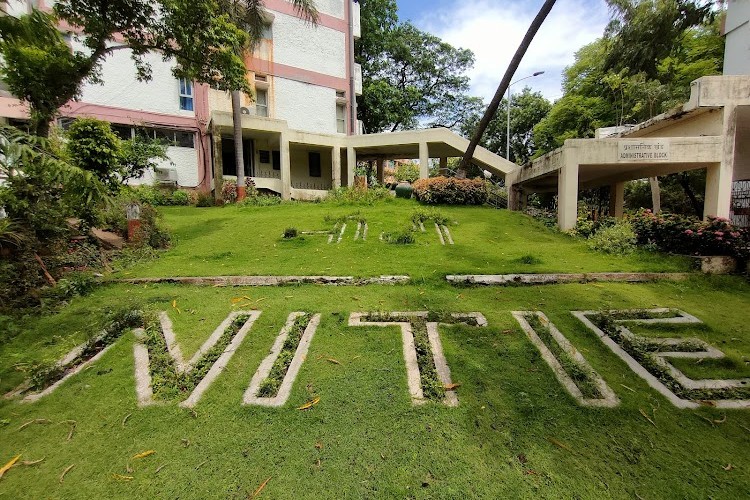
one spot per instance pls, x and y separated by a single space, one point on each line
505 82
409 76
644 32
527 109
249 16
195 34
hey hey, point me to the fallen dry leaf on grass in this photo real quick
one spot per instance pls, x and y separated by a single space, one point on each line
260 488
309 404
33 462
159 468
451 387
126 419
559 444
319 445
646 417
35 421
144 454
120 477
728 467
67 469
10 464
334 361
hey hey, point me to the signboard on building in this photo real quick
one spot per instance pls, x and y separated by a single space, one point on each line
643 150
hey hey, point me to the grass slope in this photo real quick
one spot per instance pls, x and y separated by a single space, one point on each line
247 240
516 432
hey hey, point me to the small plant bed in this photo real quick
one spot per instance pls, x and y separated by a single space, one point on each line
648 357
422 215
46 378
269 388
172 378
569 366
272 382
422 347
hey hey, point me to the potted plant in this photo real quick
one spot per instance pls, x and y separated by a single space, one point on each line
406 173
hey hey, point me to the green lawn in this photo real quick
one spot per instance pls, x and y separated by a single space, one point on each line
516 432
233 240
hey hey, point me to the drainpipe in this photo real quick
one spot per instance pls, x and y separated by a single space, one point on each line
352 95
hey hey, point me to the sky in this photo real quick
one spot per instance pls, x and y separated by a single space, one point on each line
493 30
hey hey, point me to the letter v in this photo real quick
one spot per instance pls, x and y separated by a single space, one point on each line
143 387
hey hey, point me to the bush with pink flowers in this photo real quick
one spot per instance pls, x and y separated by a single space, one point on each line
690 236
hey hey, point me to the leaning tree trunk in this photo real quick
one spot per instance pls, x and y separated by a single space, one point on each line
239 160
512 67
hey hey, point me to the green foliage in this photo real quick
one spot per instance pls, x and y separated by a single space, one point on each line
407 172
270 386
93 146
403 236
451 191
290 232
529 259
430 213
618 239
680 193
497 196
262 200
139 155
527 109
205 200
408 74
354 196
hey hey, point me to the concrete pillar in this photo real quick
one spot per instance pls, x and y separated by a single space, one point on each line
218 166
380 172
567 193
424 161
443 166
351 165
286 169
336 167
719 177
718 191
616 199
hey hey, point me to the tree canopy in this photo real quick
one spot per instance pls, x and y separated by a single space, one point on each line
408 75
42 69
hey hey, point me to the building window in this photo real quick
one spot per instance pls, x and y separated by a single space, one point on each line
264 156
313 159
261 102
276 155
341 118
186 94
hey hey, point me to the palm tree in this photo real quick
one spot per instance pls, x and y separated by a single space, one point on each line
249 15
512 67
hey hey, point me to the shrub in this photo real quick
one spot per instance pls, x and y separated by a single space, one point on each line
586 227
261 200
180 198
684 235
290 232
407 172
404 236
94 147
425 214
152 195
618 239
346 196
205 200
451 191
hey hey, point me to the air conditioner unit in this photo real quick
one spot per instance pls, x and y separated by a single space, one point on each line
165 175
244 110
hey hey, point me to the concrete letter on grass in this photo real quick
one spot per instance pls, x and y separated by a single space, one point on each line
659 349
608 397
251 395
413 378
142 370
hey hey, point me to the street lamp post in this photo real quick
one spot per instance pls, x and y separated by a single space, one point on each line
507 131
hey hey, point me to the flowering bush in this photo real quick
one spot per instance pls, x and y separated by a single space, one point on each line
678 234
618 239
229 189
451 191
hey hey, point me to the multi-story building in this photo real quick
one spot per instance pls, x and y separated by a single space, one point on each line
300 133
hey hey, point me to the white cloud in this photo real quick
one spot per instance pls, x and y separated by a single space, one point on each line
493 30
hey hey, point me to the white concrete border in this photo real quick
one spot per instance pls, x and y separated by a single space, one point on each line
270 280
251 394
554 278
67 359
413 378
142 369
440 234
659 357
609 399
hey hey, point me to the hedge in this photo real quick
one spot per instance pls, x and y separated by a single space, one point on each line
451 191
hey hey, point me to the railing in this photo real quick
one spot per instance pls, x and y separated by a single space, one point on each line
321 186
268 174
740 211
